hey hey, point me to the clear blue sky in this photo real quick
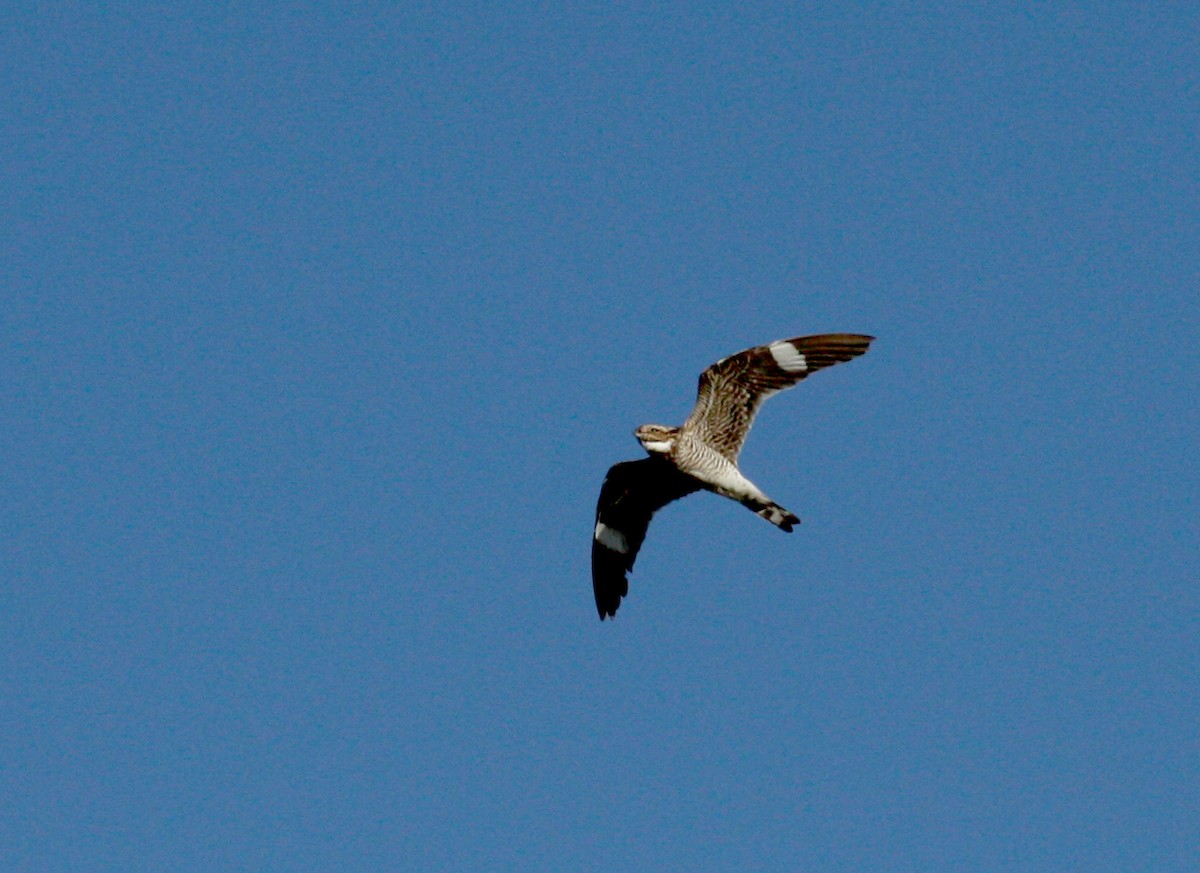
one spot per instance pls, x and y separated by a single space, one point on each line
321 328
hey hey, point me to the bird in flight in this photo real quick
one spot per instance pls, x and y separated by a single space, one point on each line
703 452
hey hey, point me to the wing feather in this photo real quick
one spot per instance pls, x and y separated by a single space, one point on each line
632 492
732 390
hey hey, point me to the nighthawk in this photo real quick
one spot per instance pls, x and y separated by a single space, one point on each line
703 453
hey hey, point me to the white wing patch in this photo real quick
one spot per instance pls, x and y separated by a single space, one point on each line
788 357
611 538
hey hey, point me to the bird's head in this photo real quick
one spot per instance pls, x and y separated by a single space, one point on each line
657 439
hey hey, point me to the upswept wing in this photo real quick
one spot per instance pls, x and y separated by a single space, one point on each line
632 492
732 389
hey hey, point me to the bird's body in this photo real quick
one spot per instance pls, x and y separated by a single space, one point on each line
702 453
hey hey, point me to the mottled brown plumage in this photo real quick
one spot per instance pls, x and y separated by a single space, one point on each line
703 453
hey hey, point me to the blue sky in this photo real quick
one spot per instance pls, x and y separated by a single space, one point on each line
322 326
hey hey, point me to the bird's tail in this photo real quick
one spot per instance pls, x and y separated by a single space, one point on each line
774 513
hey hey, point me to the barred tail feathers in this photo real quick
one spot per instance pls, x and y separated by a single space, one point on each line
774 513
